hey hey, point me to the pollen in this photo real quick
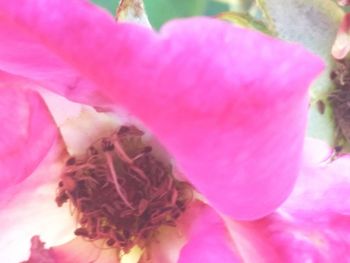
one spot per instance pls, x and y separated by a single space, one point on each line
121 193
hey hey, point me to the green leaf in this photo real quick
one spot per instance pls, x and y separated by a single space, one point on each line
314 24
213 8
110 5
160 11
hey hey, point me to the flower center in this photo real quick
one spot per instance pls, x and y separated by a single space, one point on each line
121 192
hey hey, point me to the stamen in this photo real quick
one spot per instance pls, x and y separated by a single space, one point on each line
115 181
121 193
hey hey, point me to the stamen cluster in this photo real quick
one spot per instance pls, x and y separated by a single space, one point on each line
121 192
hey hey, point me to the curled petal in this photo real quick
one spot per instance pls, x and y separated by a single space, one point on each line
231 114
28 209
24 52
312 226
200 236
321 187
207 238
76 121
27 134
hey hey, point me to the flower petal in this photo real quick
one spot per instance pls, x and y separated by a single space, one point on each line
198 86
312 226
77 250
24 52
75 122
27 134
28 209
240 149
322 187
200 236
315 152
82 251
208 239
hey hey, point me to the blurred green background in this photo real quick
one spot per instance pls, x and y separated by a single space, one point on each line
159 11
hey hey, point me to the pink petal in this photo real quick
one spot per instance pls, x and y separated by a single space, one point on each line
25 53
312 226
232 114
77 251
82 251
76 121
27 134
200 236
322 187
28 209
315 152
208 239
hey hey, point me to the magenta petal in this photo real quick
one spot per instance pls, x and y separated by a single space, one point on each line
233 115
27 134
228 103
208 239
26 51
314 223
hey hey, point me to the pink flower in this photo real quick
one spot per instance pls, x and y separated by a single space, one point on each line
228 104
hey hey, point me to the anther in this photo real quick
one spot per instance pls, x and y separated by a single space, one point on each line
110 242
71 161
107 145
123 130
121 193
81 232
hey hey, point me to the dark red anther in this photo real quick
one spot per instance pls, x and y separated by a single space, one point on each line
110 242
107 145
61 198
81 232
122 194
105 229
321 106
123 130
338 149
333 75
71 161
147 149
92 151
